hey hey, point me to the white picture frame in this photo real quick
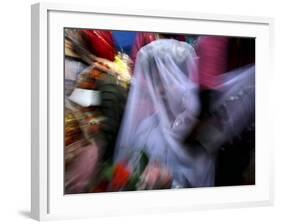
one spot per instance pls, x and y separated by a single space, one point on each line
48 201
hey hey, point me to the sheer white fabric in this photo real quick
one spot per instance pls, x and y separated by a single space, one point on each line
162 108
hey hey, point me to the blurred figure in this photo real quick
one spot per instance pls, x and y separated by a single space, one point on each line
163 82
94 104
234 58
82 168
229 128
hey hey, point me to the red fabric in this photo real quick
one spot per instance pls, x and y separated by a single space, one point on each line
213 59
142 39
121 176
100 43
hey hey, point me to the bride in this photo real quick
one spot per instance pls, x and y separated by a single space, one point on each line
162 108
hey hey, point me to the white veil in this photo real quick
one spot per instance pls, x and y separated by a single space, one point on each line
162 108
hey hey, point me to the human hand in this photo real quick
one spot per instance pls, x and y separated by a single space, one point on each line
155 176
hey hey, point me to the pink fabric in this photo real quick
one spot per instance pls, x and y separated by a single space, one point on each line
142 39
212 52
82 169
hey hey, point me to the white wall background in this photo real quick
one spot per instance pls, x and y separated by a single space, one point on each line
15 110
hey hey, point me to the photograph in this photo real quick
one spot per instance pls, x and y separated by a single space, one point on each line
154 111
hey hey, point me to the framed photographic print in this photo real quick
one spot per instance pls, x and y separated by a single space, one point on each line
148 111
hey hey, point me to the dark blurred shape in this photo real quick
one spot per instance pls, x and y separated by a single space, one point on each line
234 143
228 128
236 160
241 52
112 106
